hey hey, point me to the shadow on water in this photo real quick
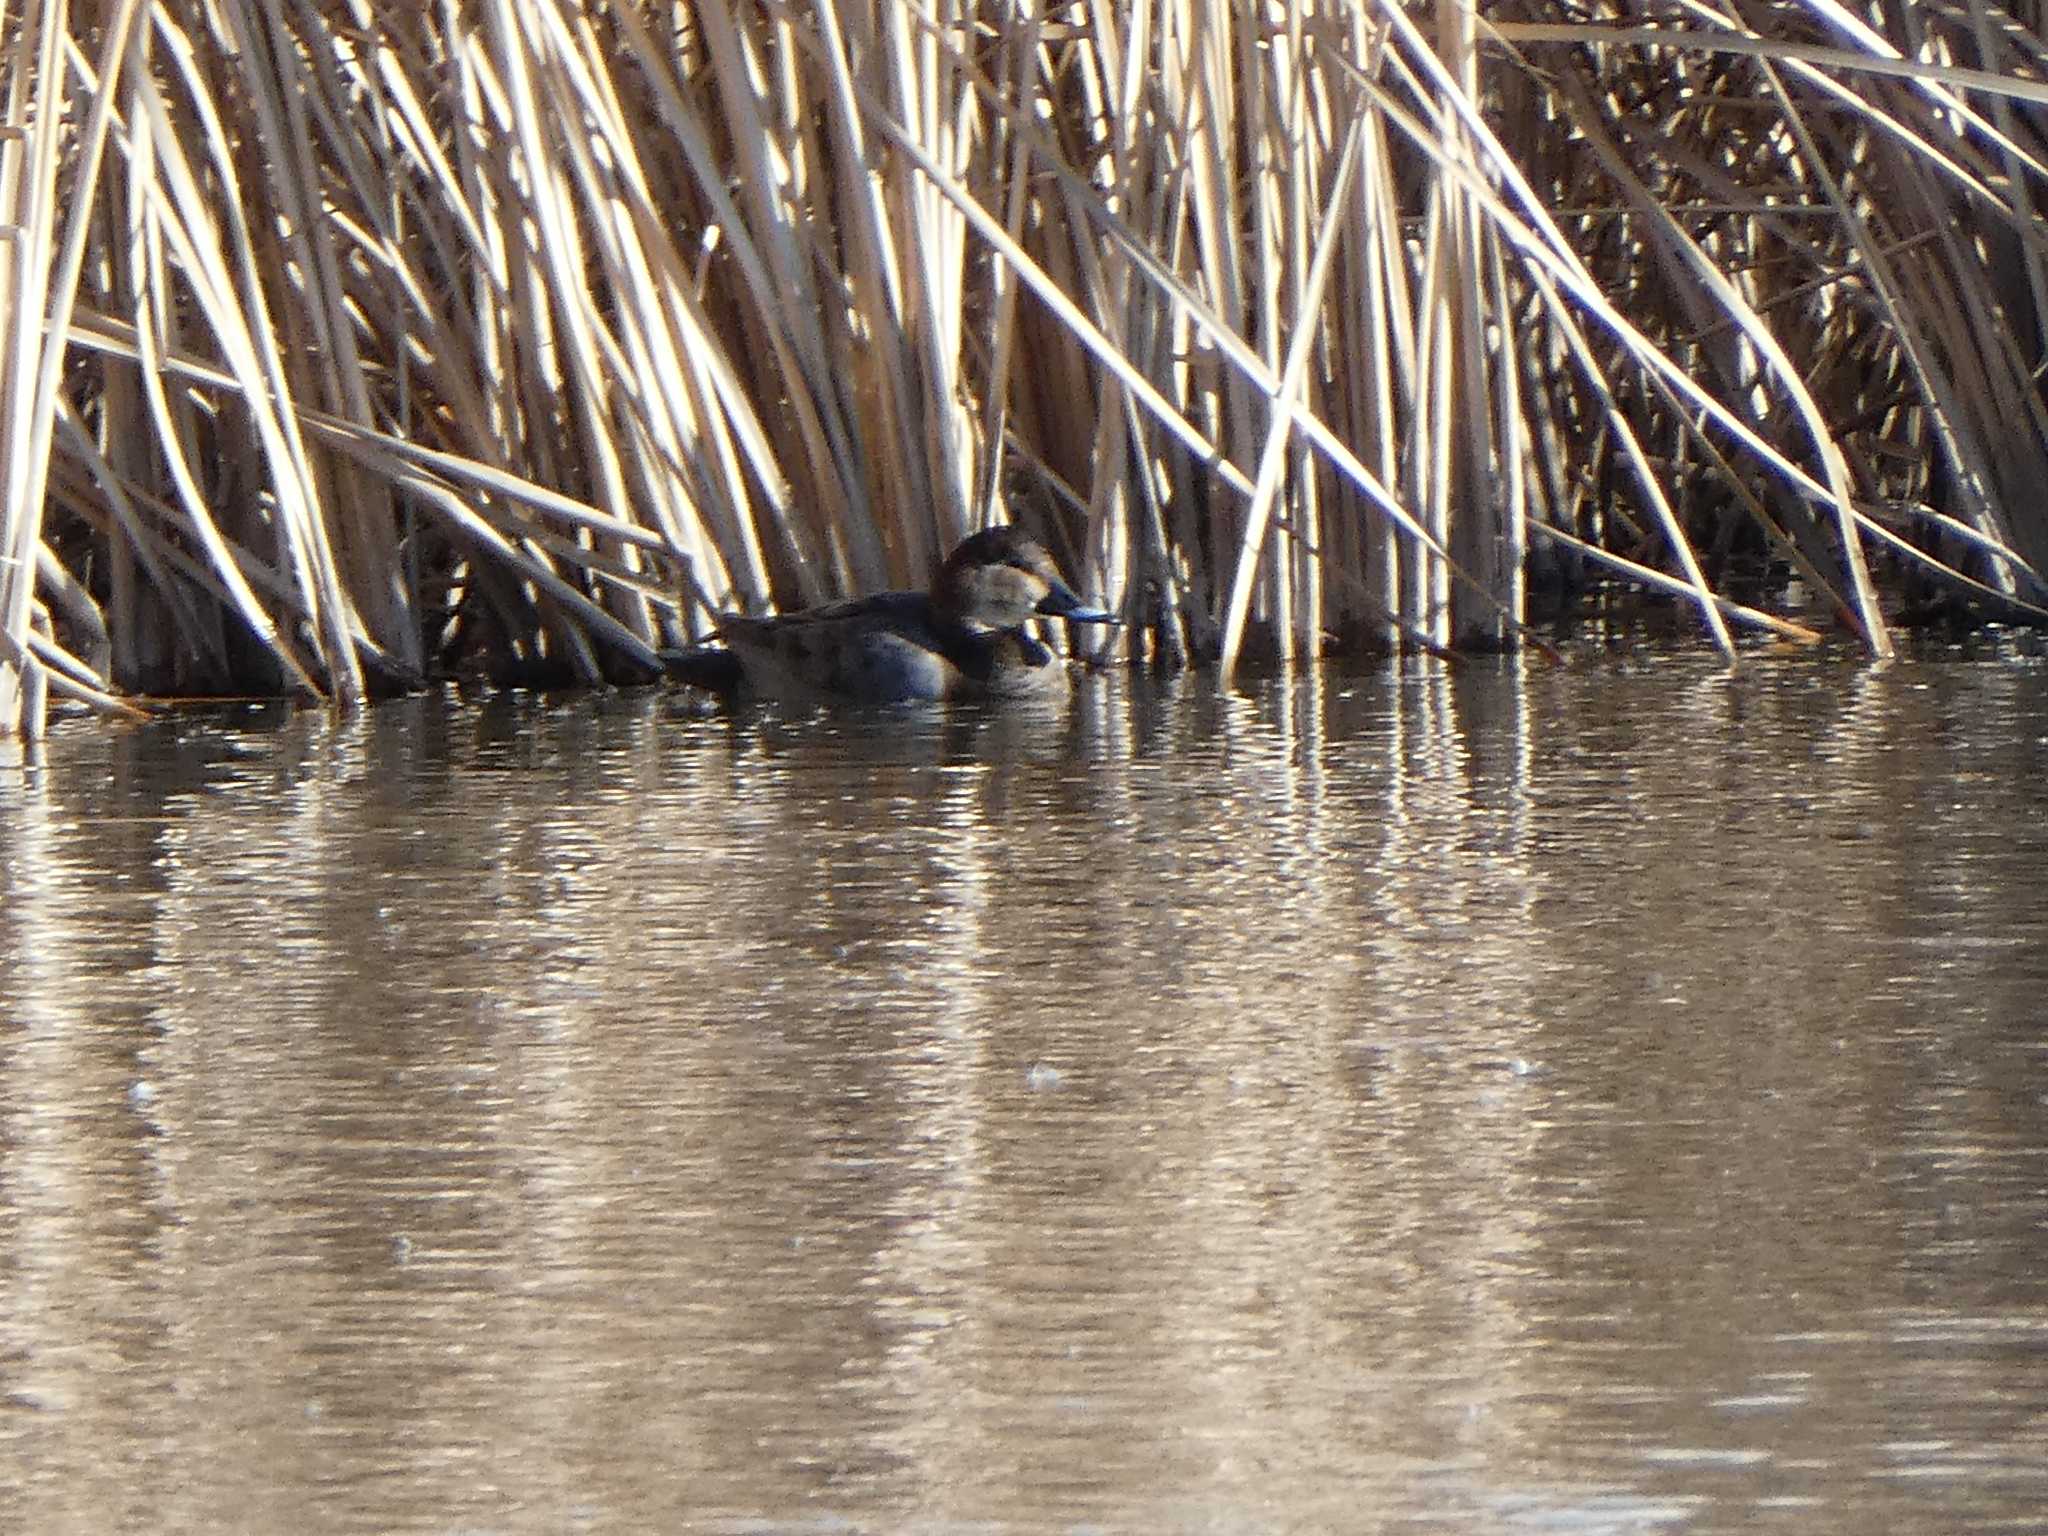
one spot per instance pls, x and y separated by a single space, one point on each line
1607 1098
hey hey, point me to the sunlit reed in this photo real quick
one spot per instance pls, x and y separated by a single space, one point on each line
350 346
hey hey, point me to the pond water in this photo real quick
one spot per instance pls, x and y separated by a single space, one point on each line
1600 1098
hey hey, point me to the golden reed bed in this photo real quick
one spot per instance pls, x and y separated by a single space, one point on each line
352 345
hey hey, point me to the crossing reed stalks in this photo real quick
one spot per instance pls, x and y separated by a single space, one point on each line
351 345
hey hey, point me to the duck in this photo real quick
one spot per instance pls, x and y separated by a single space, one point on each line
963 640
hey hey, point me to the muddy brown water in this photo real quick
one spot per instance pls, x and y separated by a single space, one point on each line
1610 1098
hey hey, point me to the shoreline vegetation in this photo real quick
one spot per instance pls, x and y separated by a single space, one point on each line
350 347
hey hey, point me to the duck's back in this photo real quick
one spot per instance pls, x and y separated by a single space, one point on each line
887 649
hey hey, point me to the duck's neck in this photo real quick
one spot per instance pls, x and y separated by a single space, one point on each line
983 654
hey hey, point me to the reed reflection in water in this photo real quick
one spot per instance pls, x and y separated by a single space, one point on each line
1598 1099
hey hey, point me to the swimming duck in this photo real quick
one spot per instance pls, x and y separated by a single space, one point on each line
964 639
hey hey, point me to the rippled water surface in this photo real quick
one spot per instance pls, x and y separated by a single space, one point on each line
1600 1099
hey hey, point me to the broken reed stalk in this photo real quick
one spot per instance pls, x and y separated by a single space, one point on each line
349 348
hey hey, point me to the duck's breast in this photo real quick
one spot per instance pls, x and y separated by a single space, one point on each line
1013 665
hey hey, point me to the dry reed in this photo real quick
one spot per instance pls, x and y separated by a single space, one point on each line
349 346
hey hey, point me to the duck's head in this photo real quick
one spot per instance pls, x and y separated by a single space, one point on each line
999 579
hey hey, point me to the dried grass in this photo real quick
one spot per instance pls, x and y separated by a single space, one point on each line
351 346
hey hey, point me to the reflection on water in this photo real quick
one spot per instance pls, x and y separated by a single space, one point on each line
1597 1099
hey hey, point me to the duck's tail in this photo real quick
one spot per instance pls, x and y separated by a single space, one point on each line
703 666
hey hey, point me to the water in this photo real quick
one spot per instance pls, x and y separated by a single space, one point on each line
1601 1099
